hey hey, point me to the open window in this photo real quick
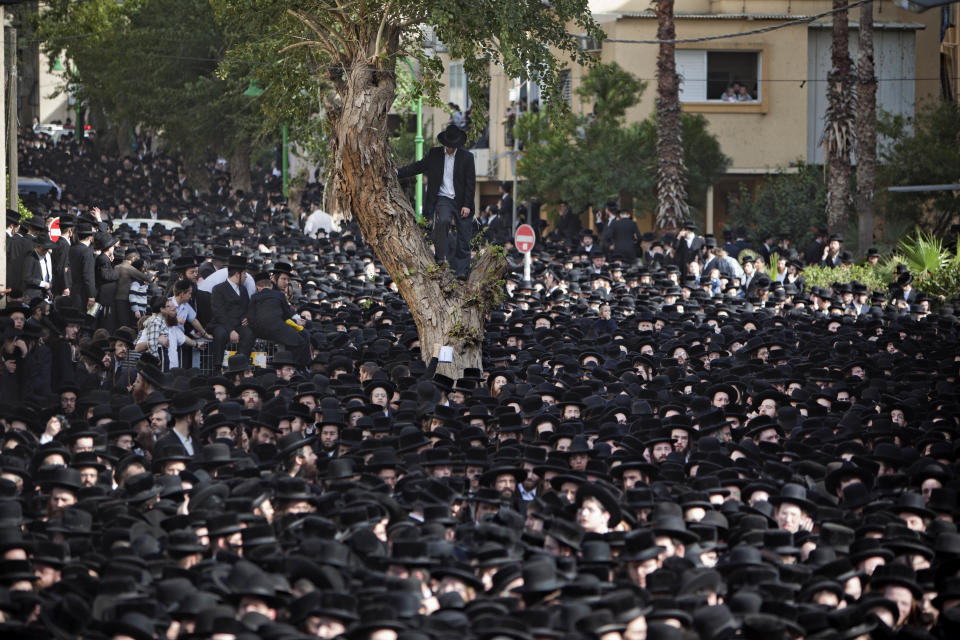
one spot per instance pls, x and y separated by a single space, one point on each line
719 76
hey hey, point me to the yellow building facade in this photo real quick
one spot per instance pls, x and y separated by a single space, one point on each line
783 70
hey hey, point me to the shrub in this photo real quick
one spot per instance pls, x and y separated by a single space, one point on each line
792 204
873 277
936 270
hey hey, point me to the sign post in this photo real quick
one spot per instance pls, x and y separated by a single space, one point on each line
524 239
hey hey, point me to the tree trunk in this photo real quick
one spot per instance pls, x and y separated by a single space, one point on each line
239 164
672 207
866 130
363 183
839 134
117 139
198 177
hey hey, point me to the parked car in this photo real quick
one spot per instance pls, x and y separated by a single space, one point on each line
55 131
134 223
40 186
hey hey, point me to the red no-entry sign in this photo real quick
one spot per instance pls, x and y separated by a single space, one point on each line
523 238
53 226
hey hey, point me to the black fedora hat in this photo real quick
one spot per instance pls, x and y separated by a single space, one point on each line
604 497
540 577
794 494
185 403
342 606
237 262
898 575
293 441
131 624
673 527
453 136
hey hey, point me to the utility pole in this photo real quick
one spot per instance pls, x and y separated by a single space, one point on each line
3 172
12 165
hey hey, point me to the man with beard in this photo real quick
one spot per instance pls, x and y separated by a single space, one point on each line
154 336
68 399
299 458
123 373
149 379
330 424
185 409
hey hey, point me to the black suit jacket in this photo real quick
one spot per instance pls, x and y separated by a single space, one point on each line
59 256
228 308
498 229
17 247
624 235
83 272
31 276
268 313
464 176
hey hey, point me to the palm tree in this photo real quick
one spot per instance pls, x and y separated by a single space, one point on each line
866 129
839 132
672 207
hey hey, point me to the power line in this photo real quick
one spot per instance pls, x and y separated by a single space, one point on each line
774 27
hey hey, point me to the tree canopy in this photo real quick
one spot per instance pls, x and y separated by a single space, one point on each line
789 204
591 158
298 43
922 150
154 63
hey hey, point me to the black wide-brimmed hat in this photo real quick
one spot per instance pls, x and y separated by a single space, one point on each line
604 497
896 574
185 403
453 136
293 441
540 576
794 494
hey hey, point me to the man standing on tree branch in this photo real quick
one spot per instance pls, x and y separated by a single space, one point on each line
451 181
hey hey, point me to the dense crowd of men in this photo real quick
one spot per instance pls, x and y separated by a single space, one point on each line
666 441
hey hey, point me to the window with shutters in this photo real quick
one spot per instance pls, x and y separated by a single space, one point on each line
719 76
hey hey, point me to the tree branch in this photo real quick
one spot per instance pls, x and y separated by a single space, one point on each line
324 34
383 23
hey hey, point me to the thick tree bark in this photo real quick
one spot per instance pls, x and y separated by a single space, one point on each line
239 164
839 134
866 130
672 207
363 183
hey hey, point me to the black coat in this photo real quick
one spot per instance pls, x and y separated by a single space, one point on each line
267 314
17 247
83 270
106 277
464 176
61 363
31 276
498 229
687 255
624 235
59 257
227 308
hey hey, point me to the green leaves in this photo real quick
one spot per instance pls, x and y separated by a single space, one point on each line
791 204
936 269
922 150
589 159
153 63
